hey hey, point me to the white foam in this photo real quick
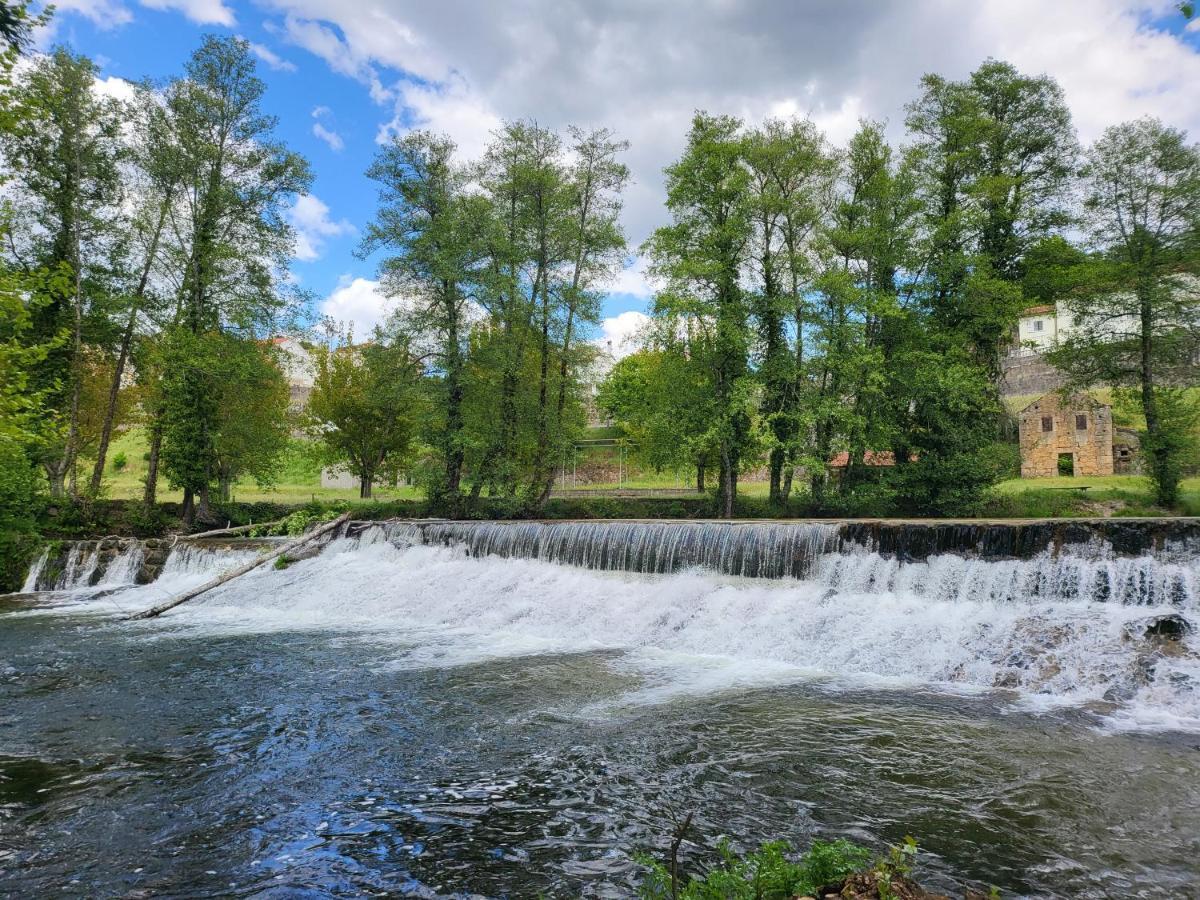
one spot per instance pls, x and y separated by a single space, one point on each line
696 632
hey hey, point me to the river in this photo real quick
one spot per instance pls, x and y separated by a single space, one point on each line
409 719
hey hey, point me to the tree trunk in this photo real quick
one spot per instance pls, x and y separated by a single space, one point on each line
364 487
122 357
150 493
189 507
728 485
241 570
110 411
700 477
56 474
204 509
775 493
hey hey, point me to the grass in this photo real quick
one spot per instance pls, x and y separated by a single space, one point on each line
299 481
1121 495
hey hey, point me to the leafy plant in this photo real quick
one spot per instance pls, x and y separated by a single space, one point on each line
766 874
120 461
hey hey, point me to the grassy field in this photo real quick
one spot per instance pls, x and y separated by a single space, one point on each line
299 482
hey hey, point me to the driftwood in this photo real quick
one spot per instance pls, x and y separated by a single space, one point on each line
240 570
236 529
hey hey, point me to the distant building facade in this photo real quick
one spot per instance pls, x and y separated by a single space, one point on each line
1067 436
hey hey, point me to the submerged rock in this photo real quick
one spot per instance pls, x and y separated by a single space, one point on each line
1173 627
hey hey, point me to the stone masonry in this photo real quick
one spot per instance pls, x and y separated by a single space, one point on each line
1079 427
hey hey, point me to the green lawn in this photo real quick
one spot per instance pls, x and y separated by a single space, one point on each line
1109 494
299 482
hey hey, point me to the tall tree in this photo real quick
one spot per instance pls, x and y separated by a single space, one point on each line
152 178
792 174
995 155
699 257
229 239
429 221
62 152
1137 304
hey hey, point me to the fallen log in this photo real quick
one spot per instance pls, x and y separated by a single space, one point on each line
236 529
161 608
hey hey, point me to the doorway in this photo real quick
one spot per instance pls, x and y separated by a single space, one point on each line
1066 465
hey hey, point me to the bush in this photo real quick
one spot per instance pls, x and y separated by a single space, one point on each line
19 506
120 461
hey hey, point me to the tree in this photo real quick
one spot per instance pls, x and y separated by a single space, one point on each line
792 174
994 156
253 419
429 220
63 151
229 240
154 177
1137 301
700 257
663 402
364 407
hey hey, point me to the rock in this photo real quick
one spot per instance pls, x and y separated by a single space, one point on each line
1172 627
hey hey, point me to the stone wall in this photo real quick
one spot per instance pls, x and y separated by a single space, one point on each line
1024 375
1049 428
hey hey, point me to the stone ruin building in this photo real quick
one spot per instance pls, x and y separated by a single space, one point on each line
1068 436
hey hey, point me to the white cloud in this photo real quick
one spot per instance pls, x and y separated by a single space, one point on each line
328 135
620 333
202 12
641 69
332 138
449 108
109 14
360 303
310 218
632 280
104 14
271 58
116 88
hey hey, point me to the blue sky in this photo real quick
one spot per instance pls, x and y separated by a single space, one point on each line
343 73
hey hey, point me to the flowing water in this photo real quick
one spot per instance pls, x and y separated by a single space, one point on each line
508 710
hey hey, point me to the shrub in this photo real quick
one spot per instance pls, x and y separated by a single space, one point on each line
120 461
764 875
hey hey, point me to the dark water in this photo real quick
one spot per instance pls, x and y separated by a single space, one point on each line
158 762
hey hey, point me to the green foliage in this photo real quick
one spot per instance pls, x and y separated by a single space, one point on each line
766 874
19 502
120 461
1135 303
364 407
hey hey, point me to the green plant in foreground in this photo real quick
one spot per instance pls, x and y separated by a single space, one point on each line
766 874
282 562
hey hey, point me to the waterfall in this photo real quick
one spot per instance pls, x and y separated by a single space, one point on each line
754 550
35 572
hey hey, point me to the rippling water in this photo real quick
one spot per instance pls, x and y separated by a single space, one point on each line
392 720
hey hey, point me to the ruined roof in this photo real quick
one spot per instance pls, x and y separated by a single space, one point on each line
1080 400
1038 310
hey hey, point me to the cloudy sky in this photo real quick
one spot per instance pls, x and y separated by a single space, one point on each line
343 75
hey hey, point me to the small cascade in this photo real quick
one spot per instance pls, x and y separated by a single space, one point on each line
124 568
35 573
188 560
749 550
1101 577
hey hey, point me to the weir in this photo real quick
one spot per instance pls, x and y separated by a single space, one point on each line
1079 612
1132 562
